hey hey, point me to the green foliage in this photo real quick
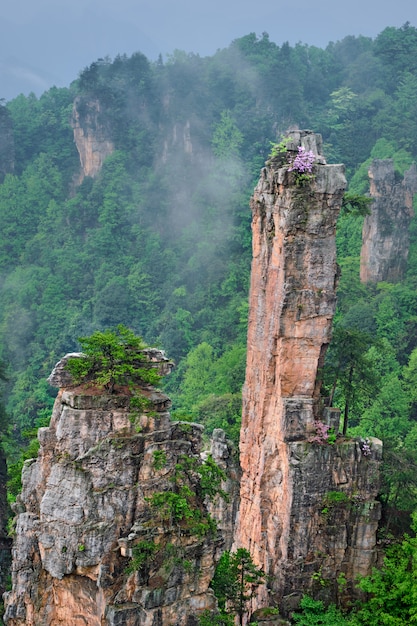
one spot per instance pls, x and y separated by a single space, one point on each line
183 506
167 253
221 411
235 581
210 388
392 591
159 459
142 554
174 508
211 477
139 404
356 204
279 150
348 368
180 510
208 618
335 498
314 613
113 357
227 138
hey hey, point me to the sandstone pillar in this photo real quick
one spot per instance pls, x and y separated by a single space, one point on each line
385 236
292 302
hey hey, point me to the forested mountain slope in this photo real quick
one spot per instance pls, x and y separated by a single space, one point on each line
159 238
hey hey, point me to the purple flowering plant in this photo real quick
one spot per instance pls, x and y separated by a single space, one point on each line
302 166
324 434
365 446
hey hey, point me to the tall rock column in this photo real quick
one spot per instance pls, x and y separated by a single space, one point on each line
292 301
385 236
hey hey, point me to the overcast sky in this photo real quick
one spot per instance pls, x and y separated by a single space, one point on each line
48 42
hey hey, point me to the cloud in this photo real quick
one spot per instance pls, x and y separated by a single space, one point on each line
62 38
19 77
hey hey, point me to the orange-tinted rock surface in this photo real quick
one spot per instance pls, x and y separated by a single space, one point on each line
286 477
385 236
91 136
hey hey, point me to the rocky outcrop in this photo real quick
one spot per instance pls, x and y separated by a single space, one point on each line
287 477
385 236
93 544
91 136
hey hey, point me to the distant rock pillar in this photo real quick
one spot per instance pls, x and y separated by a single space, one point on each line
291 306
385 235
91 136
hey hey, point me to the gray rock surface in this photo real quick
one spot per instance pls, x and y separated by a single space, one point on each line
385 234
84 507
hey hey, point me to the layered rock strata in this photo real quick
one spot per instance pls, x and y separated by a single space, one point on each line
85 509
285 476
385 234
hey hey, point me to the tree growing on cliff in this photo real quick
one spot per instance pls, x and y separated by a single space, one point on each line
235 581
349 368
392 590
113 357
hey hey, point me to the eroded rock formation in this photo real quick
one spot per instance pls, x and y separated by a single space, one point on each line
385 236
85 507
286 477
91 136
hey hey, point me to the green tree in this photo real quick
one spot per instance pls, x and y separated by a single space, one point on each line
397 47
410 381
392 590
235 581
227 138
221 411
348 368
113 357
183 506
198 376
314 613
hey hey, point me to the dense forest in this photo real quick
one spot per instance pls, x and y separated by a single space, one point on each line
159 240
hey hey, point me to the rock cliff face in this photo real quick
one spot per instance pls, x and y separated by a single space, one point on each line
287 479
385 236
91 547
179 139
91 136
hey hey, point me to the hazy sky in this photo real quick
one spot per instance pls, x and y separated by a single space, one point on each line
48 42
